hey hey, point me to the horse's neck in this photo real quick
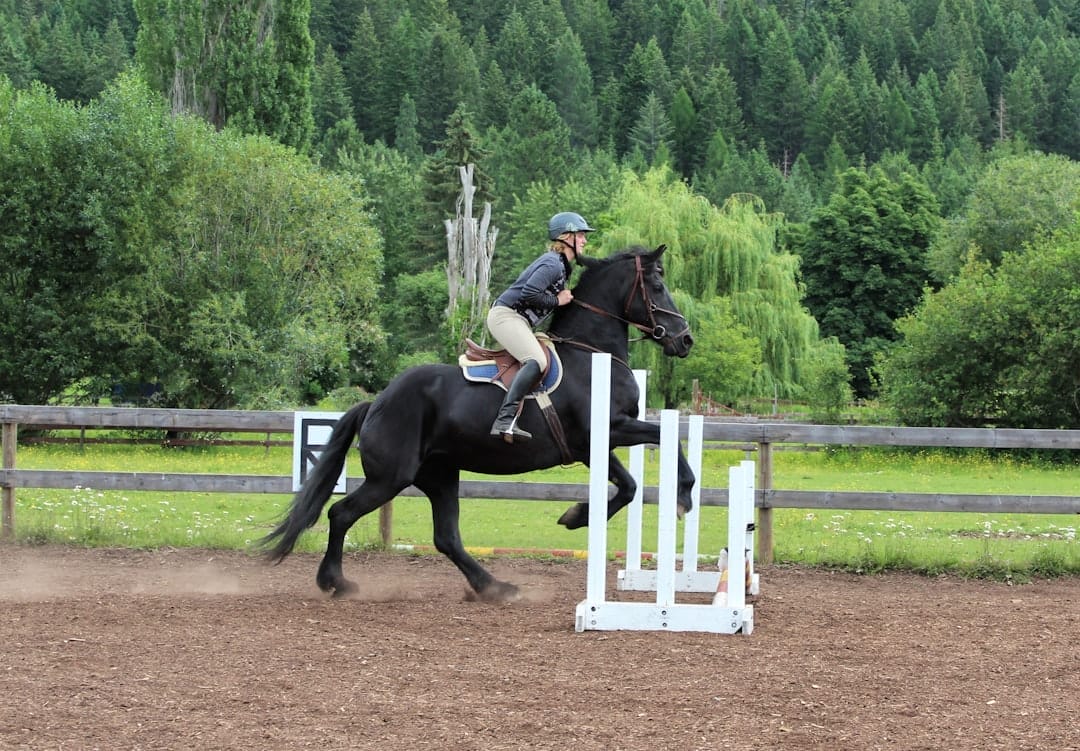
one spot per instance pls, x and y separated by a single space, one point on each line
591 329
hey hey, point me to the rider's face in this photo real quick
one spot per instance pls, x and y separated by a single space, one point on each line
580 238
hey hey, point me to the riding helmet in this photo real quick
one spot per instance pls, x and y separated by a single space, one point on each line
567 221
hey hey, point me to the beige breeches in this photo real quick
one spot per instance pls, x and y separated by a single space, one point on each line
514 333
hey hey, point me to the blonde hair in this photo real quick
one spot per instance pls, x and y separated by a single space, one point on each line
558 243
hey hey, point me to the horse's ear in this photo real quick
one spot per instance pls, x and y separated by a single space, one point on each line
659 250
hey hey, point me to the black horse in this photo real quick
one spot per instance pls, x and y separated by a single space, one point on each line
430 423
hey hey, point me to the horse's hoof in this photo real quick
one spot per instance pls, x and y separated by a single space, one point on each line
344 588
575 517
496 591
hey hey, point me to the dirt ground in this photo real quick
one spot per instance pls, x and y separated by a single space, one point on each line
182 649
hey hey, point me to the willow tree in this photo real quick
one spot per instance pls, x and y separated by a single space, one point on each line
718 258
247 64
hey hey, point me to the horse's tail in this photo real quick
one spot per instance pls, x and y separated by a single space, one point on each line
308 502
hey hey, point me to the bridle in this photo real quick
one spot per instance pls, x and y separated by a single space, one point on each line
654 330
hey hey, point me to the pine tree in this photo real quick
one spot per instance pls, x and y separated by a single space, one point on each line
964 108
249 67
868 98
328 91
741 48
781 98
515 51
799 196
572 90
63 62
833 117
107 55
719 107
15 62
534 145
406 133
546 23
686 137
442 184
450 78
287 116
645 73
402 49
927 124
1060 69
897 119
652 131
362 67
1023 99
688 45
593 21
494 98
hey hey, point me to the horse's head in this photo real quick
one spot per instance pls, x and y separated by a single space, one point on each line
631 288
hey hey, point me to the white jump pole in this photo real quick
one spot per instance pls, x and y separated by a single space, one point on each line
692 520
688 579
599 425
740 483
637 471
666 515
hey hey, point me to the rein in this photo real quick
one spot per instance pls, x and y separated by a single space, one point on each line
654 330
588 347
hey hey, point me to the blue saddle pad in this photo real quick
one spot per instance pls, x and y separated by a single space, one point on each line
487 371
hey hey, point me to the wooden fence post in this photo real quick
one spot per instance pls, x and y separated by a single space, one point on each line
765 512
10 436
386 523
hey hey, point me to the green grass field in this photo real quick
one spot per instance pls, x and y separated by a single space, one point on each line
1003 546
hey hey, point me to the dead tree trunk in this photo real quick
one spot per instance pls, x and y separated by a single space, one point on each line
470 246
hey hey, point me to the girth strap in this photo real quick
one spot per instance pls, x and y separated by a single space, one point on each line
547 409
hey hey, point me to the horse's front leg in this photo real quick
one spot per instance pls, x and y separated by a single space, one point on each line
577 516
440 482
627 431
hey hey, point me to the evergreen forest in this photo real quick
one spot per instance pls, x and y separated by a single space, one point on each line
243 203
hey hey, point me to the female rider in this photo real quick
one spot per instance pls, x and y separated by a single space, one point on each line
539 289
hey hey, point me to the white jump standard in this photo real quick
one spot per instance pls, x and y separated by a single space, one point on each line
595 612
688 578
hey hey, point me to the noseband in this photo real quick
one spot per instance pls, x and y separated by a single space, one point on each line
654 330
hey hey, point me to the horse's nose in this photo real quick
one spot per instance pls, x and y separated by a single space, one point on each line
688 340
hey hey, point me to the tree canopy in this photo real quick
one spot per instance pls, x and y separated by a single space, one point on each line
863 262
813 167
726 269
224 269
1017 327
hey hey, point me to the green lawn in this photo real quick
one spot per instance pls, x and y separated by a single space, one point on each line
1000 545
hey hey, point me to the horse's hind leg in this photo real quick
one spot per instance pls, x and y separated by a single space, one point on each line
342 516
577 516
440 483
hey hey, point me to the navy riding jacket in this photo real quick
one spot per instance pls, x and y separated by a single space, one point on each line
535 293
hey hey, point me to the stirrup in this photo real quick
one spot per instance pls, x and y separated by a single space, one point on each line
511 432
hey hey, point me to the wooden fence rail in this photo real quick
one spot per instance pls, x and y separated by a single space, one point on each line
763 435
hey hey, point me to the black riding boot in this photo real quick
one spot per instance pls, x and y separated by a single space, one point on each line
505 424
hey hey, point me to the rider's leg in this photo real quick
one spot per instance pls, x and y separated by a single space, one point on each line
512 331
505 424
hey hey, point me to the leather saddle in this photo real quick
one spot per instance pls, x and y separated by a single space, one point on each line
482 365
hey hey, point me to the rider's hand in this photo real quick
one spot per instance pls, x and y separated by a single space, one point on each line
565 296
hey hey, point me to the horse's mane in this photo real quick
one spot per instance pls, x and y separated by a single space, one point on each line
594 282
591 262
